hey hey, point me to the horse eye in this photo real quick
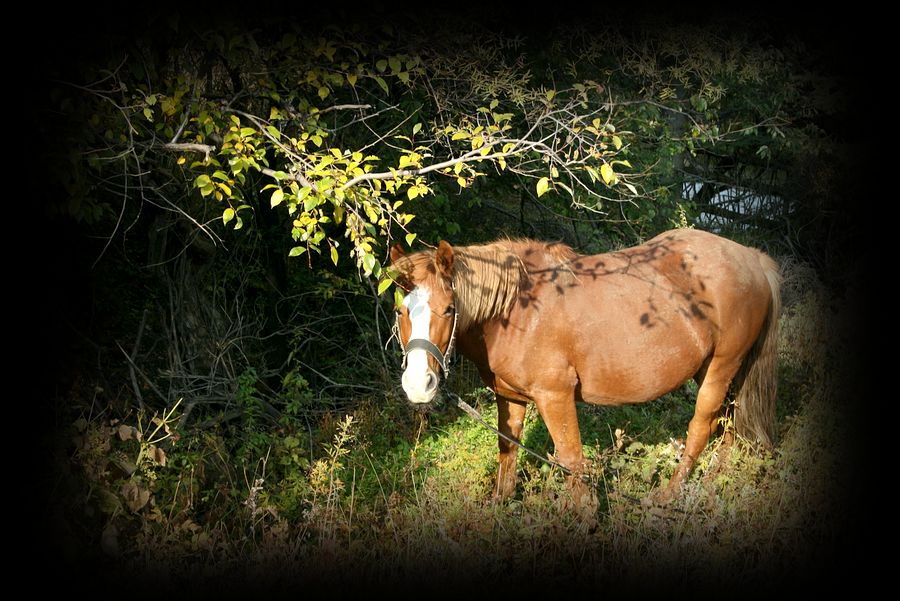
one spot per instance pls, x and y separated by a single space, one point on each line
450 310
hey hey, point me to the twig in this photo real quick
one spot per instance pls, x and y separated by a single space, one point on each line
137 344
143 375
345 107
206 149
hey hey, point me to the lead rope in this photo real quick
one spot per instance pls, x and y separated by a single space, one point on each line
477 416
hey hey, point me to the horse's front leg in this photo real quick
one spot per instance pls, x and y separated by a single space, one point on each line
561 419
510 421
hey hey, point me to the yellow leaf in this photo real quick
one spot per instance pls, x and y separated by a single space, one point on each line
542 186
384 285
351 79
412 192
617 142
461 181
334 255
607 173
277 197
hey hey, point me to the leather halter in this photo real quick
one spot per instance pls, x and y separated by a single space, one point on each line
428 346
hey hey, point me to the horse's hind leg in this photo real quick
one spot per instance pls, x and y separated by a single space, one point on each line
510 421
713 388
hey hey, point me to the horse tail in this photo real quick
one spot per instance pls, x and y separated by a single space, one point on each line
757 380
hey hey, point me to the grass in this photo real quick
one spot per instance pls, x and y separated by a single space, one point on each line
384 495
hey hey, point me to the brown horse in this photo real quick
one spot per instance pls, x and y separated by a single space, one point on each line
545 325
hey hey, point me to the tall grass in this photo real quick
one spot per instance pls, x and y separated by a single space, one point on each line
385 495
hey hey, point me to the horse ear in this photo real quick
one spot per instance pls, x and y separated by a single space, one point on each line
396 252
443 258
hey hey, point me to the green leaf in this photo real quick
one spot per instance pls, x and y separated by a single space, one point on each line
324 92
417 128
381 65
273 131
202 181
227 215
410 238
398 296
617 142
277 197
334 256
297 251
351 79
542 186
369 262
384 285
380 81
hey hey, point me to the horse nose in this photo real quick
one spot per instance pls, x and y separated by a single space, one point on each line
420 387
431 383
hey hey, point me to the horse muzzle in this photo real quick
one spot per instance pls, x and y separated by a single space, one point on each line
421 386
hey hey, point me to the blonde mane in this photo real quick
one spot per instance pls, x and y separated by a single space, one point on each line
487 279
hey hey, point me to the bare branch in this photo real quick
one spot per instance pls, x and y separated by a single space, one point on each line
345 107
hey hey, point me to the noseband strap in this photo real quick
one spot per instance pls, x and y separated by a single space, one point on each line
429 347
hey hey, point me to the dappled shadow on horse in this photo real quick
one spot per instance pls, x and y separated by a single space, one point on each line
547 326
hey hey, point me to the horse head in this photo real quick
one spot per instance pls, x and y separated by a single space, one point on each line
426 319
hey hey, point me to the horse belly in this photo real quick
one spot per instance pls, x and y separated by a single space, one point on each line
636 377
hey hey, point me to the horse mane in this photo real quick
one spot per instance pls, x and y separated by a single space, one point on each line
487 278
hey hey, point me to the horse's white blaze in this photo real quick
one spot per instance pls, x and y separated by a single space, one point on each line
419 382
